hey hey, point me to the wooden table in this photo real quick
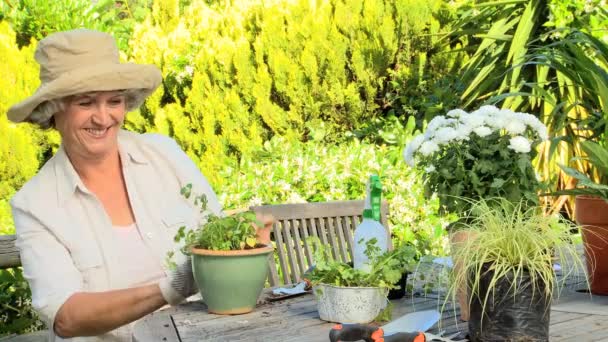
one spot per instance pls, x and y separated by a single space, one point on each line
297 319
294 319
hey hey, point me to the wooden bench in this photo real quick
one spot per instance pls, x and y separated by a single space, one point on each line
9 255
332 222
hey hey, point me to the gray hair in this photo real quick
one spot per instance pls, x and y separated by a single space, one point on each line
43 114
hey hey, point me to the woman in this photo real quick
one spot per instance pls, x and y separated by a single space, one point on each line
96 222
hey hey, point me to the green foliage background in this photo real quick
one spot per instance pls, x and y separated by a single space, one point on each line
308 96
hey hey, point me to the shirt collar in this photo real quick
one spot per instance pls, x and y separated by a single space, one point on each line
68 180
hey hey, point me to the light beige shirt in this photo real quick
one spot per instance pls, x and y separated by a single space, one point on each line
65 236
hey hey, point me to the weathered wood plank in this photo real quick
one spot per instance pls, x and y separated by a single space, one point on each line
281 250
298 245
322 229
157 326
273 273
9 254
305 231
334 242
587 328
349 232
290 247
342 245
39 336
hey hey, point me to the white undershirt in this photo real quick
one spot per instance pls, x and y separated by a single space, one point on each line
138 263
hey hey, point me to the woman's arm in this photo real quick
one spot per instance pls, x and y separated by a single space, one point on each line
95 313
58 291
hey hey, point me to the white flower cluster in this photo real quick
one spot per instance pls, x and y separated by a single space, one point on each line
458 125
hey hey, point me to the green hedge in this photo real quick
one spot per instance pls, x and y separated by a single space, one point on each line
251 90
238 73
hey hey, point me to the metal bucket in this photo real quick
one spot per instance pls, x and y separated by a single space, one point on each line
349 304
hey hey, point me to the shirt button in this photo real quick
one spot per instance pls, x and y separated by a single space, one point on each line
149 235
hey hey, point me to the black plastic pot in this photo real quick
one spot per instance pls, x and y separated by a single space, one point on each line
400 292
523 317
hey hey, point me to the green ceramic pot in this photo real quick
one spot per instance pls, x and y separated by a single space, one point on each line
230 281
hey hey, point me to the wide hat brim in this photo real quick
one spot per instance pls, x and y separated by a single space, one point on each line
104 77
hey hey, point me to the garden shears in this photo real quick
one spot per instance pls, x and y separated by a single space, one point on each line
408 328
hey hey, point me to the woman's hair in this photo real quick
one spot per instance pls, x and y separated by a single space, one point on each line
43 114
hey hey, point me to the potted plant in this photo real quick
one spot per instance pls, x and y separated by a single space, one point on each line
591 212
507 264
229 260
469 156
348 295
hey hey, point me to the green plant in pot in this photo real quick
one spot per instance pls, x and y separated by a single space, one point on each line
591 212
349 295
229 260
507 263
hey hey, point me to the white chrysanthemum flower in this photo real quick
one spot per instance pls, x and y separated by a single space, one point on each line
408 156
463 132
473 120
428 147
445 135
416 142
496 122
411 148
429 168
515 127
519 144
486 111
435 123
456 113
483 131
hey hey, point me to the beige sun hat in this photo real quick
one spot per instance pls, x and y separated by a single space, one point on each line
80 61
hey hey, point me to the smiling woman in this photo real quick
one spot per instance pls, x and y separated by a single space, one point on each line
95 224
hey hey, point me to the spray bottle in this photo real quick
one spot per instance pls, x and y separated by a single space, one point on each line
370 227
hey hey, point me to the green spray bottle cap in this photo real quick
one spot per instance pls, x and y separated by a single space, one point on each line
375 191
373 200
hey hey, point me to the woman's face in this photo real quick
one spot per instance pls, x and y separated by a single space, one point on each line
90 123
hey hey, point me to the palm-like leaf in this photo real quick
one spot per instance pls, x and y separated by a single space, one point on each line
519 64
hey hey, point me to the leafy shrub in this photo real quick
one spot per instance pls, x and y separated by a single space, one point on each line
16 314
21 148
238 73
293 172
35 19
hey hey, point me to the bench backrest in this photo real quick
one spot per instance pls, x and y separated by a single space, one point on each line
332 222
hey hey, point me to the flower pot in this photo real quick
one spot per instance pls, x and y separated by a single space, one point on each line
400 292
592 215
505 316
349 304
230 281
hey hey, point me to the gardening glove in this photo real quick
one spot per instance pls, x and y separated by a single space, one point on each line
179 283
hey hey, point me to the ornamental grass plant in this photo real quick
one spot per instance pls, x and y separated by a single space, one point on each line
513 241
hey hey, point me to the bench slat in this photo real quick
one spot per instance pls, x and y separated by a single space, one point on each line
9 255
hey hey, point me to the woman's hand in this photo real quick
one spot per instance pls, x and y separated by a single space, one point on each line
263 233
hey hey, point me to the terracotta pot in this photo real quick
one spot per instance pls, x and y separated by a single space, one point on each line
462 294
592 215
